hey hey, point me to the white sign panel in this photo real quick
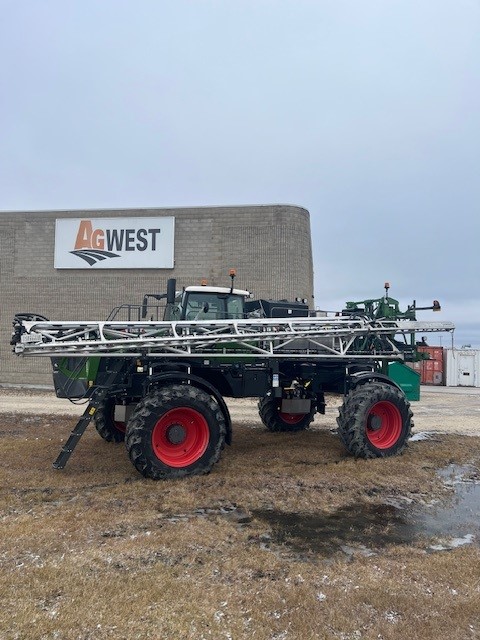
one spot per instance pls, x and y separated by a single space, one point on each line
114 243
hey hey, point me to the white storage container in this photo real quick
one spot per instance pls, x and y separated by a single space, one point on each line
462 367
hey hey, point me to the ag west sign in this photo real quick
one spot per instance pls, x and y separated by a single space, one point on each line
114 243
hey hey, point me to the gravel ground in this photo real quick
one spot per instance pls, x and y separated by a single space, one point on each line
441 409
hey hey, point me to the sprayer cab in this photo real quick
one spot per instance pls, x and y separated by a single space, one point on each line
207 303
201 302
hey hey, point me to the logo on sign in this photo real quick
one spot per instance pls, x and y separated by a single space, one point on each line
115 243
94 245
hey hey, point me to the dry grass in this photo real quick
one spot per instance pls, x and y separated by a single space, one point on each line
98 552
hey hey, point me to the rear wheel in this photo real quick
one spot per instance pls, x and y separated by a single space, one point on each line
269 409
375 420
175 431
107 427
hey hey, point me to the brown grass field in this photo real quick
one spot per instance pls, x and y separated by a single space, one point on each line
287 538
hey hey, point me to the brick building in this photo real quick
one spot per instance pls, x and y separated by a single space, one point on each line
269 246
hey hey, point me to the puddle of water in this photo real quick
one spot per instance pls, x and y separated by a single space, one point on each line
459 518
363 527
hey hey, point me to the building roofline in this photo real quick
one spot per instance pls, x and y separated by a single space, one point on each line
169 208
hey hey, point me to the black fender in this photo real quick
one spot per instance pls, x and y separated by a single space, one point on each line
161 379
361 377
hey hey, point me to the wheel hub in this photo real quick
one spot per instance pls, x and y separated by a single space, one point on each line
374 422
176 434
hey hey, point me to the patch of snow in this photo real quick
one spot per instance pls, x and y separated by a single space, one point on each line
422 435
392 616
453 543
459 542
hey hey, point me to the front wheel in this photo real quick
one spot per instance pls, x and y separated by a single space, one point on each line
269 409
175 431
375 421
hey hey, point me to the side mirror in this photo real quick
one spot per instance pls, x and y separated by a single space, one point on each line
171 287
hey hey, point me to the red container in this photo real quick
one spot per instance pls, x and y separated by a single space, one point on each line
431 370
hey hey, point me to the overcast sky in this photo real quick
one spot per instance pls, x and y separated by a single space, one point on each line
366 112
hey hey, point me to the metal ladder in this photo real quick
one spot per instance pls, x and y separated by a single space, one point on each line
98 396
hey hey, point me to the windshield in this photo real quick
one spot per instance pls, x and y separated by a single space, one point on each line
213 306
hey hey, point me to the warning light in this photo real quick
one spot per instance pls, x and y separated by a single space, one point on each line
204 282
232 274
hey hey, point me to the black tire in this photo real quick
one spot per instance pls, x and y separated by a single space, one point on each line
375 420
175 431
269 409
109 429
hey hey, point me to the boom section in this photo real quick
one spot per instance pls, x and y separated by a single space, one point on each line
315 338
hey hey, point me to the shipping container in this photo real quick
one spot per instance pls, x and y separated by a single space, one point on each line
462 367
431 370
434 353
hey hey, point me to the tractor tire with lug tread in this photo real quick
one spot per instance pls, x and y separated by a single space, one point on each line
175 431
375 421
276 421
107 427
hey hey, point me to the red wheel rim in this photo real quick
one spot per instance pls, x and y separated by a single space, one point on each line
120 426
292 418
180 437
384 425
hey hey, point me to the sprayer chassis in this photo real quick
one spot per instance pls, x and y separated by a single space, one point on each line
160 386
